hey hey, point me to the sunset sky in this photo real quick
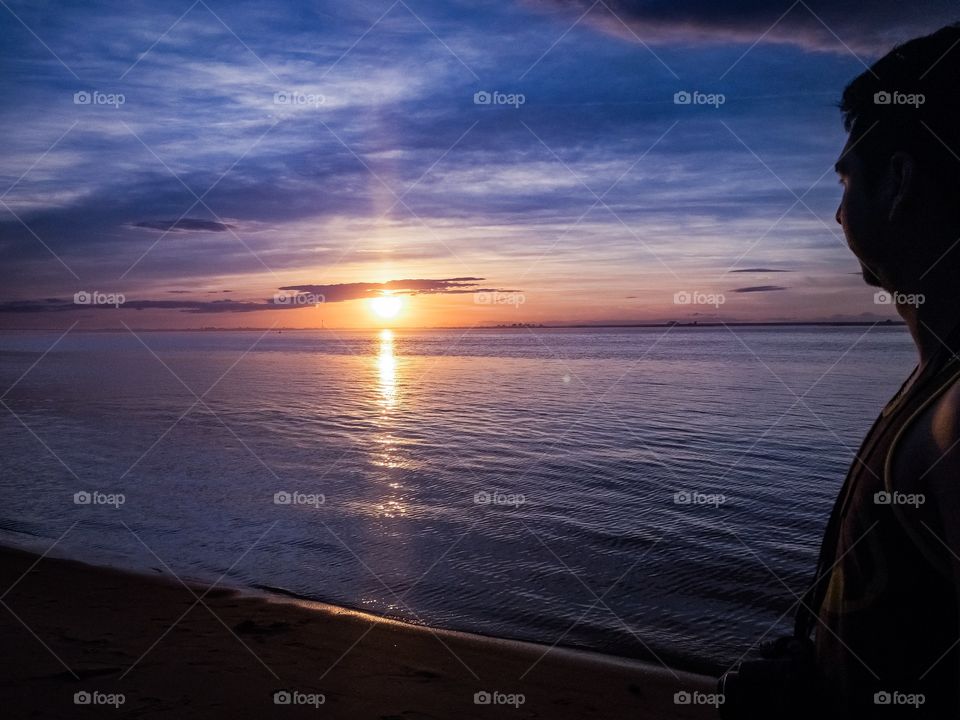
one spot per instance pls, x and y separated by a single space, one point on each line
231 164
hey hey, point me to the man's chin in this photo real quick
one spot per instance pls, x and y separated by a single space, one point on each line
868 277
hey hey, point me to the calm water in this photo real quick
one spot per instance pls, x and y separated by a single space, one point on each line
581 439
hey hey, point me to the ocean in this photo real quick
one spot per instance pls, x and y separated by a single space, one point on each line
648 492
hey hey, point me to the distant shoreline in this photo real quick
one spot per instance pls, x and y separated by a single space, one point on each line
529 326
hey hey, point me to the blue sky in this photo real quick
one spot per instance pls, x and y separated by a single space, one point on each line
197 158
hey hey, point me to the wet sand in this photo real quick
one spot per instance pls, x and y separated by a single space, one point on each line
174 651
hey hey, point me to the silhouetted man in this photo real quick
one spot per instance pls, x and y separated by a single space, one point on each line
877 635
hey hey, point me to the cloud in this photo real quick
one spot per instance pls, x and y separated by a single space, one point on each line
760 288
185 224
359 290
286 299
760 270
825 25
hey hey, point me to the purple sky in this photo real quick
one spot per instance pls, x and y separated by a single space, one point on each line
497 161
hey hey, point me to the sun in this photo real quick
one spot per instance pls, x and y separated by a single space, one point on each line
386 306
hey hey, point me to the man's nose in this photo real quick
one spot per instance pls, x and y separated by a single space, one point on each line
837 216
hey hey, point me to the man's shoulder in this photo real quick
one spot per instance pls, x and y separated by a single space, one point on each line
927 457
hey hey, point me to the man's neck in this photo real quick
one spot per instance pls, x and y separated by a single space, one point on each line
931 322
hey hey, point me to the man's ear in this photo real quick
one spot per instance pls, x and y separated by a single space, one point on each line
902 175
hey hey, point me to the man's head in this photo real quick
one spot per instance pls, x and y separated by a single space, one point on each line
900 167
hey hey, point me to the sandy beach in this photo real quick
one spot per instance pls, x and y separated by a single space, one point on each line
83 640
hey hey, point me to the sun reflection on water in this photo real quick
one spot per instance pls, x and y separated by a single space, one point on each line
389 453
387 365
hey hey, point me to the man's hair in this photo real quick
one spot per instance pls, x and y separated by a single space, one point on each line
909 101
